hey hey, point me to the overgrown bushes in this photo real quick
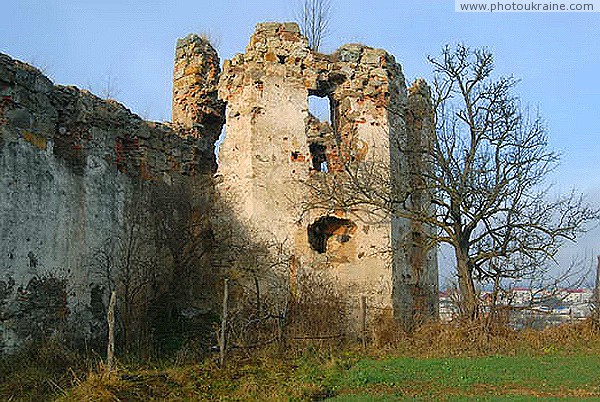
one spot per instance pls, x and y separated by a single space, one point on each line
41 370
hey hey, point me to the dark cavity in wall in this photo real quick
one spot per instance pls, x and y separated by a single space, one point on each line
325 227
319 128
318 156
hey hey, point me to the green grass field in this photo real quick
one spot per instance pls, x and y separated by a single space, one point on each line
495 377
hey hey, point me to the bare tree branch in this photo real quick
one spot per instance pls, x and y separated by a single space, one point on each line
483 179
314 17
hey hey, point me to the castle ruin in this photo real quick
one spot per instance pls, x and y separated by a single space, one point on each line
78 171
274 146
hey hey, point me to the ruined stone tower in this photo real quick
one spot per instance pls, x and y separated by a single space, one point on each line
197 111
274 149
82 179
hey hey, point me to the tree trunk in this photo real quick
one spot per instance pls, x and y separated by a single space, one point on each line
468 306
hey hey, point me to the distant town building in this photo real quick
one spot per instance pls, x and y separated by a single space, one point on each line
528 306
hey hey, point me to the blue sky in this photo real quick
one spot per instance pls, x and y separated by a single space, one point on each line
557 56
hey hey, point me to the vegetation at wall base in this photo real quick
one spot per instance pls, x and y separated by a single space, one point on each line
438 361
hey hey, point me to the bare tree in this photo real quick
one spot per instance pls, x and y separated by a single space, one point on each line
479 184
491 157
314 17
157 262
126 264
108 87
257 266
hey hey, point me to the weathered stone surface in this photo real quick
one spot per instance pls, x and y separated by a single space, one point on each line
415 286
197 111
274 145
80 175
76 172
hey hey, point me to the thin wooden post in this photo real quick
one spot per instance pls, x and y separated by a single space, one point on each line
571 319
110 352
363 320
222 337
597 294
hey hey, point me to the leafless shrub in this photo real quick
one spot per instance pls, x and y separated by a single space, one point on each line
213 39
317 309
386 330
314 17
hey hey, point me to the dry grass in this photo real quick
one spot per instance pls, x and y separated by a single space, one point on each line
310 372
262 380
313 313
41 370
463 338
304 370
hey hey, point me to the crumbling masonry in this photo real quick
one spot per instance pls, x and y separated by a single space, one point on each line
274 147
79 175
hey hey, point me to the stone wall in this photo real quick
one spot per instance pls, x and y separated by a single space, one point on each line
85 186
415 282
94 198
274 148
